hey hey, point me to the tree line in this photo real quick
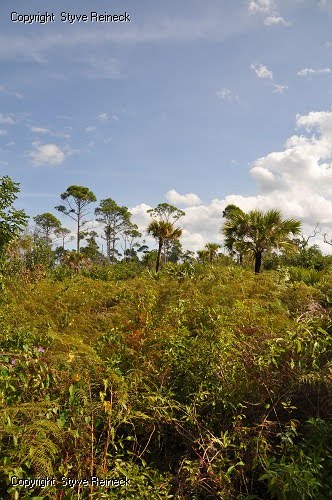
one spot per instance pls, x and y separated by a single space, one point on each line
252 234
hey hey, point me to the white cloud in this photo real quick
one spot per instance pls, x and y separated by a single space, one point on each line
319 120
140 216
276 19
6 120
88 130
311 71
297 180
268 8
279 89
46 154
103 117
224 94
259 6
3 132
182 199
40 130
262 71
227 95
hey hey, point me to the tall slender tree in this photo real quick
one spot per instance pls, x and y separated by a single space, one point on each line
115 220
64 235
130 236
77 199
46 225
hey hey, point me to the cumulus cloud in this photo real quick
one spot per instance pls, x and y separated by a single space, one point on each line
297 179
316 120
46 154
262 71
88 130
182 199
311 71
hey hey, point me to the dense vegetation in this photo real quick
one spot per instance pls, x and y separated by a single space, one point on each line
202 380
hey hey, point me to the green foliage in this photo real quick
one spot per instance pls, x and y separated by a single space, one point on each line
46 225
77 199
308 276
200 381
166 212
308 258
12 221
256 232
116 220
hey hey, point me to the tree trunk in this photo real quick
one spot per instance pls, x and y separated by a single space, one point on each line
258 262
165 251
108 249
108 243
113 250
78 235
159 255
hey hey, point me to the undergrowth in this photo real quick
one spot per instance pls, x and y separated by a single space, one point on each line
199 382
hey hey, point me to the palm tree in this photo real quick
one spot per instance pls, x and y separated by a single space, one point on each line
256 232
212 249
202 256
74 260
163 232
234 229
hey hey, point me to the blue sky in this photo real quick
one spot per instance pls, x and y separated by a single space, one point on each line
195 103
